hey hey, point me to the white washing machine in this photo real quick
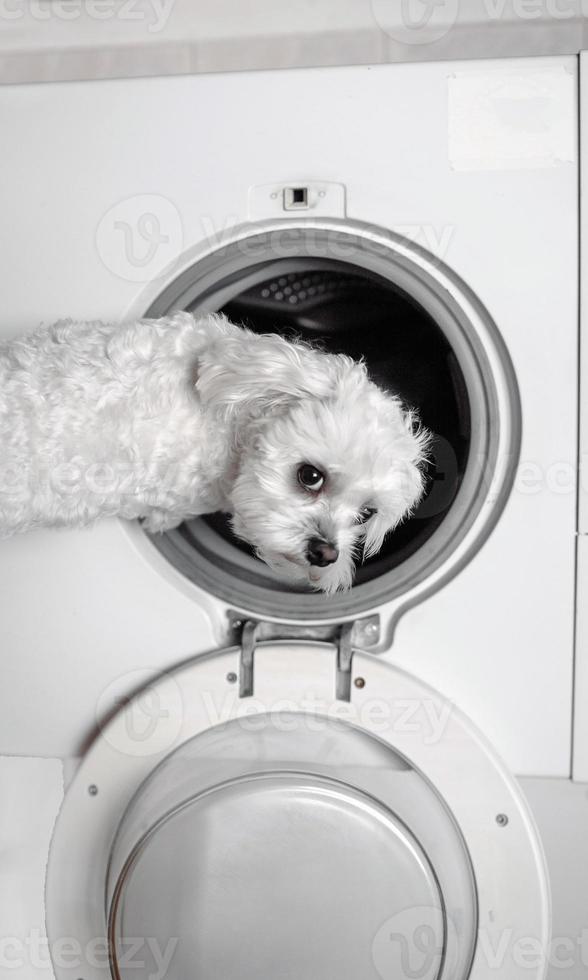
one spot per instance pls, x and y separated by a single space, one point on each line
205 772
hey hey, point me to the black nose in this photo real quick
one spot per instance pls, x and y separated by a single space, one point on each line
321 552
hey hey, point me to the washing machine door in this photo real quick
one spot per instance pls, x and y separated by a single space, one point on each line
290 852
276 876
295 832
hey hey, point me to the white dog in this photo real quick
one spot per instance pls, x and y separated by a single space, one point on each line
166 419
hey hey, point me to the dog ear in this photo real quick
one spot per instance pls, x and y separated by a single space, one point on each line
404 482
259 373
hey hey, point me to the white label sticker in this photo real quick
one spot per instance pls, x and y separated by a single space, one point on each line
520 118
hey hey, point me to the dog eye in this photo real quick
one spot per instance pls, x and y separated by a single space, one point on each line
365 514
310 478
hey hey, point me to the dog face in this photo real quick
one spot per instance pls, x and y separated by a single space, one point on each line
327 463
325 482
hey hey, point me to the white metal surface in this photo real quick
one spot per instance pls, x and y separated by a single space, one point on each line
82 609
560 808
31 791
85 619
507 860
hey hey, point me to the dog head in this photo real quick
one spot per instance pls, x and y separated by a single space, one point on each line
326 463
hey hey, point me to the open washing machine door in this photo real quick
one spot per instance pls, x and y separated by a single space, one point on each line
274 829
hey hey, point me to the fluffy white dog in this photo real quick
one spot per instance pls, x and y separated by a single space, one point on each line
166 419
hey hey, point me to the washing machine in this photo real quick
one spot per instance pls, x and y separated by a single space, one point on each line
205 770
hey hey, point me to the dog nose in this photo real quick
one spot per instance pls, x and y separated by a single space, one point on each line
321 552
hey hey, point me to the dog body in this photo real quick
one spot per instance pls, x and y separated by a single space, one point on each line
167 419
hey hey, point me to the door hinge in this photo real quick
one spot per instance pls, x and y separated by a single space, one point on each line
346 637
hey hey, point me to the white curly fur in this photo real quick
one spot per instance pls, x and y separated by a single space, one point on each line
166 419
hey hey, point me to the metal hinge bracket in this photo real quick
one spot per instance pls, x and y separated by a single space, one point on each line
347 637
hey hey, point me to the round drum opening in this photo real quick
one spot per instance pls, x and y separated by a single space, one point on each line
386 302
346 310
